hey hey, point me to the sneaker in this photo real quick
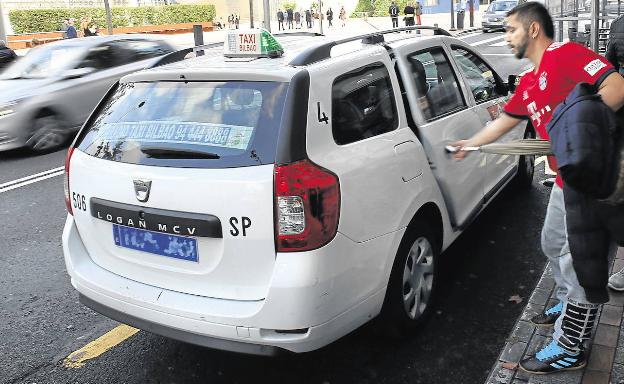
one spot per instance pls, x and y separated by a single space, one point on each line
553 358
616 281
549 317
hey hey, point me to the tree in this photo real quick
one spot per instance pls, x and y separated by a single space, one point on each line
289 5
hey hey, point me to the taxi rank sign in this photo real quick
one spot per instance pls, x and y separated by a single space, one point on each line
243 44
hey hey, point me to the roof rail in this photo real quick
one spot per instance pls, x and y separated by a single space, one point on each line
322 52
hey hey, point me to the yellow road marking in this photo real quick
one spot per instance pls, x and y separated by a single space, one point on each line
99 346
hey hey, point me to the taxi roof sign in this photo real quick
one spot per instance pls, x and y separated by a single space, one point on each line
251 43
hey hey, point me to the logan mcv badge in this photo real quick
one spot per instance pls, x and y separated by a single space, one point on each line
142 189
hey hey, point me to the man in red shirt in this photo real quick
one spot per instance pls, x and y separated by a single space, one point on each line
559 67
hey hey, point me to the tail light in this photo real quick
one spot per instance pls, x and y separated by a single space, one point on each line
66 181
307 206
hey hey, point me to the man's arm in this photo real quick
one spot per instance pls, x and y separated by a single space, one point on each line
612 91
503 124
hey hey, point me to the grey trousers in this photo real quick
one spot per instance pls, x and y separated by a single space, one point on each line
555 247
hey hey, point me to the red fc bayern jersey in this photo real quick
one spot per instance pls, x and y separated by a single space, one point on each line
563 66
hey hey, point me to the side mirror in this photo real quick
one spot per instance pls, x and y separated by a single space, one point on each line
76 73
512 82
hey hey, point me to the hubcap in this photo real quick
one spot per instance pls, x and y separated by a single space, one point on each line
418 278
47 134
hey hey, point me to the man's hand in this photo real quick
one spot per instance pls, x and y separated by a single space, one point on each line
459 155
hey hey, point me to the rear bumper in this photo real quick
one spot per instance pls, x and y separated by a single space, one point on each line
297 302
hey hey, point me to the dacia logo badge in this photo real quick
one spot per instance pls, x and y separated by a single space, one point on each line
142 189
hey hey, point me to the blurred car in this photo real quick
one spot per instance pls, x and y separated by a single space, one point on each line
47 95
494 16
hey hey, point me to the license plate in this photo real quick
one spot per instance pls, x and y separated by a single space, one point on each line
163 244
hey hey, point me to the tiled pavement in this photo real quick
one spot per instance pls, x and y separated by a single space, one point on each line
606 356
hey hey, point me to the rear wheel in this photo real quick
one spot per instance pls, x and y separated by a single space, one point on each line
526 164
47 133
412 285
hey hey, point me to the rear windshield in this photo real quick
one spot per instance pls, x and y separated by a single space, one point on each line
500 6
188 124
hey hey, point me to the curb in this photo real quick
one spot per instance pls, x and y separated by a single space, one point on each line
605 355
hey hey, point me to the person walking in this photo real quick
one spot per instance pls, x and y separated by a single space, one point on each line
343 16
7 55
530 34
418 12
289 18
394 14
280 20
308 18
330 16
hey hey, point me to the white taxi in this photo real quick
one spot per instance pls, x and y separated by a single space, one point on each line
280 194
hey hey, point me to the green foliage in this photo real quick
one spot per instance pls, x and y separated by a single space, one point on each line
380 7
48 20
289 5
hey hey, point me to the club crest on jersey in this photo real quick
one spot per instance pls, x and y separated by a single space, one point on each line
542 81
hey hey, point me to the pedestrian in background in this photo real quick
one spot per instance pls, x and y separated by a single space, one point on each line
308 17
330 16
408 11
7 55
530 34
289 18
297 20
394 14
236 21
71 30
418 12
343 16
280 20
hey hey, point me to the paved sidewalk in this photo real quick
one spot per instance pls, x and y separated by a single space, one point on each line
606 356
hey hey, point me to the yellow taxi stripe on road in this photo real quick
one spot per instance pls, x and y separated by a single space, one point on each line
99 346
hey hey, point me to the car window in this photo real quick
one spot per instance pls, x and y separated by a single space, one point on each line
501 6
436 84
103 56
363 104
137 50
479 76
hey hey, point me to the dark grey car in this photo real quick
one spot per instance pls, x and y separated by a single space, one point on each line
494 16
47 95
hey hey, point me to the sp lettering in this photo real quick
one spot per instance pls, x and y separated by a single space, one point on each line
239 226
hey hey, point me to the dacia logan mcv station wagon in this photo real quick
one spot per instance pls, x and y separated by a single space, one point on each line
278 203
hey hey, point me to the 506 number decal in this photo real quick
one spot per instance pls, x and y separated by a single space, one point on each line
79 201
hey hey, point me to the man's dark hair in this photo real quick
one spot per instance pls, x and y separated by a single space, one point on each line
533 11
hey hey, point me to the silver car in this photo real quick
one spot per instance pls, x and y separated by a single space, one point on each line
494 16
47 95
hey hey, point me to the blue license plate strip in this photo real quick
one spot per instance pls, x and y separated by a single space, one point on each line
163 244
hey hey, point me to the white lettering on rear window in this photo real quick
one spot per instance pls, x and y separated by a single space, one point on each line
593 67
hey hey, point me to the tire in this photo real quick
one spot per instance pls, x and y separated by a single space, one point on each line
47 135
526 164
412 286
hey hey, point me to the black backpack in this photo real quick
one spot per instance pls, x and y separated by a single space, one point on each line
588 144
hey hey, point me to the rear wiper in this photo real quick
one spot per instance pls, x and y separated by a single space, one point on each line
173 153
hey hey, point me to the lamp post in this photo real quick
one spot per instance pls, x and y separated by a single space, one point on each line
251 24
452 16
109 17
267 15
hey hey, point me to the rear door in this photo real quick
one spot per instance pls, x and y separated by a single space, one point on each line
175 185
366 141
443 115
481 80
